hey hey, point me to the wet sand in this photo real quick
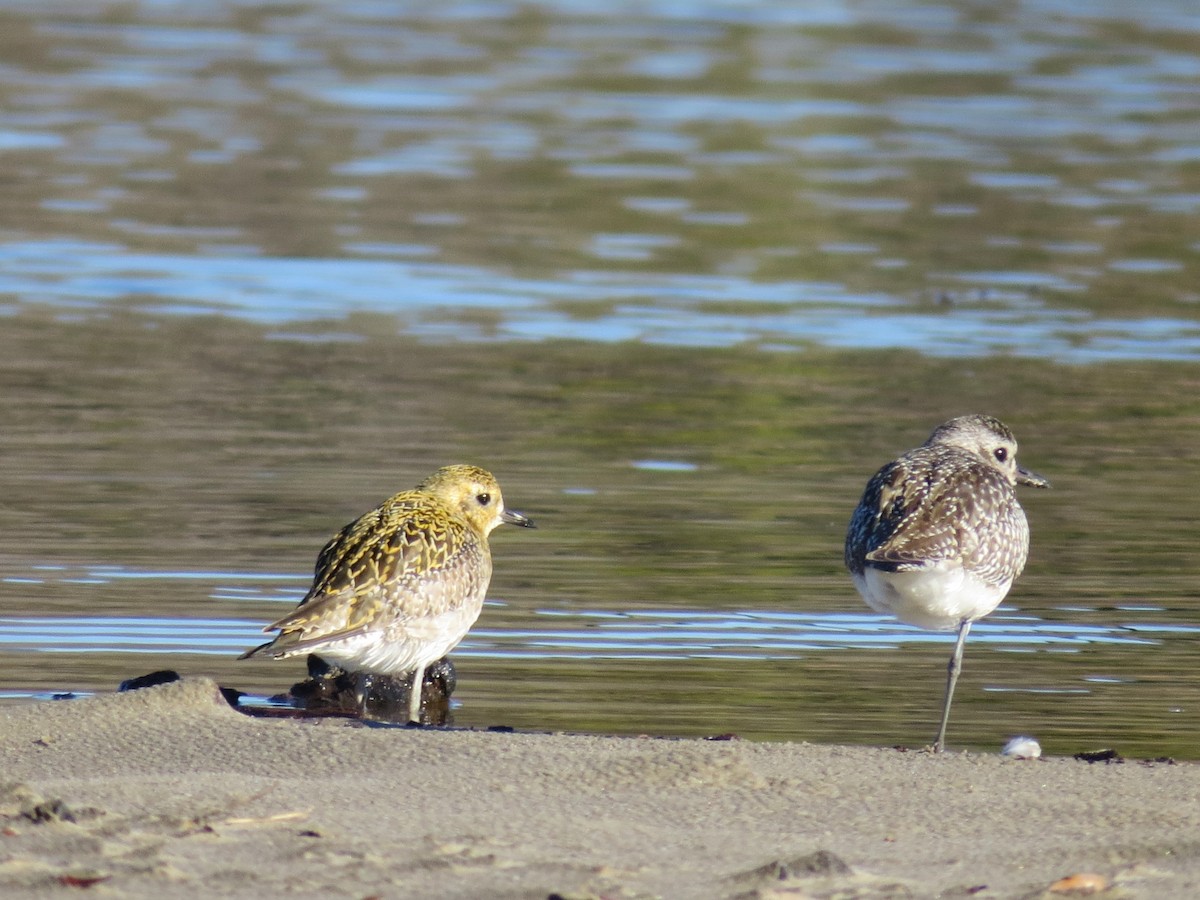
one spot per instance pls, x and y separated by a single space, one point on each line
169 791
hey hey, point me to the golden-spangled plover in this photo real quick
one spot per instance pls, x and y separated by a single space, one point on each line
400 586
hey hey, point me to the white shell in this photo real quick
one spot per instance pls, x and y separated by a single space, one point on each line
1022 748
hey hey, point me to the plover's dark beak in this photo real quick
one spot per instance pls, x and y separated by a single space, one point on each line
1032 479
515 518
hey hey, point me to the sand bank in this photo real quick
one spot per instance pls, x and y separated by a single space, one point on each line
170 792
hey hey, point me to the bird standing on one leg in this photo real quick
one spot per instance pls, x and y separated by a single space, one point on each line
399 587
939 536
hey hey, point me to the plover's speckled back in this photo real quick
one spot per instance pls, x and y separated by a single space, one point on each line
939 536
399 587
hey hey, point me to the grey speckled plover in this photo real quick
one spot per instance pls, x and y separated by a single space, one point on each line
939 535
400 586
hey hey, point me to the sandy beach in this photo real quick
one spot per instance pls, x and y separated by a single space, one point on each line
169 791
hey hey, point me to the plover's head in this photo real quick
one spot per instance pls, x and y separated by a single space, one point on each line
474 493
989 439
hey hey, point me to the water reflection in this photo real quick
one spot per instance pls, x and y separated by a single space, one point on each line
1002 318
257 262
637 634
746 669
546 634
117 634
828 163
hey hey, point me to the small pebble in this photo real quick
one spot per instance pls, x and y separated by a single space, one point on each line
1081 884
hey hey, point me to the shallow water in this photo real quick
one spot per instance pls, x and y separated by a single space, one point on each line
682 276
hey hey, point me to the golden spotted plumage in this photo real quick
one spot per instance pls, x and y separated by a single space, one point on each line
400 586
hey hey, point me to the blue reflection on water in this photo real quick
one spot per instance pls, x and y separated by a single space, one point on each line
642 634
124 634
549 633
651 634
686 310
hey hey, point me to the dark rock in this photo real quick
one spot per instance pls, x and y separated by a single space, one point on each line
383 698
1104 756
153 679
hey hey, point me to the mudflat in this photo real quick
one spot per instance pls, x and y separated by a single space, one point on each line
170 791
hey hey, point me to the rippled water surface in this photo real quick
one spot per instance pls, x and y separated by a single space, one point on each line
682 275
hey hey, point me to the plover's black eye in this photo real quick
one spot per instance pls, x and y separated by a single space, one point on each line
1001 454
484 499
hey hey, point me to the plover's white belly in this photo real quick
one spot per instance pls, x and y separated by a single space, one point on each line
402 646
938 597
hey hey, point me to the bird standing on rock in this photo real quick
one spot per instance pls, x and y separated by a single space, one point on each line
939 536
399 587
